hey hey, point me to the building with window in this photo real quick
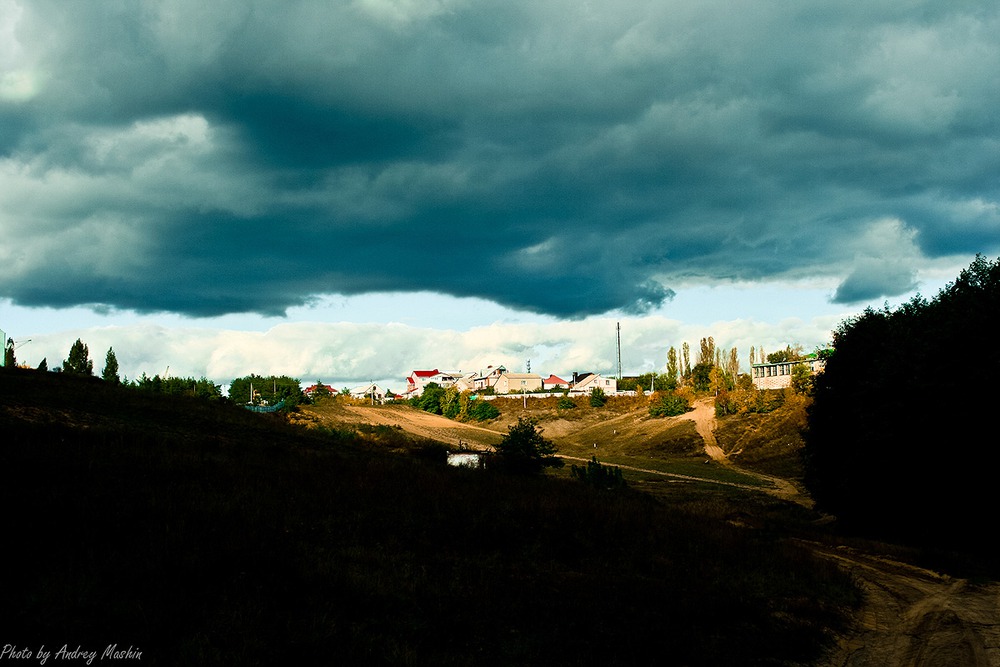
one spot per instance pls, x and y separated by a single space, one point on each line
779 375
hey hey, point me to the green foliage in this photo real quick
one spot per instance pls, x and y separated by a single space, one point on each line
881 446
566 403
319 393
788 354
110 372
658 381
802 381
179 386
701 376
524 449
270 390
748 400
481 410
44 364
78 362
451 404
668 404
598 398
673 368
430 399
599 476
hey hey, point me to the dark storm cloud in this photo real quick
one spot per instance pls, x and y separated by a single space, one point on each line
549 156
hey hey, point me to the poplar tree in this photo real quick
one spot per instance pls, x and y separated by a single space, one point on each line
672 369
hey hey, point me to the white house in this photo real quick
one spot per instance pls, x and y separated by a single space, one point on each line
371 392
586 382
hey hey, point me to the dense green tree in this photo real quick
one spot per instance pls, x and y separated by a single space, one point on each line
701 376
431 399
597 397
481 410
78 362
110 372
802 379
524 449
885 450
44 364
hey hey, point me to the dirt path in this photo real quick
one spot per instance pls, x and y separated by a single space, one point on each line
916 618
703 417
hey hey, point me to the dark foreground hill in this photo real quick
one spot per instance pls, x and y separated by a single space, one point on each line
200 533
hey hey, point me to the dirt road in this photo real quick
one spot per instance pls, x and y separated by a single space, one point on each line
916 618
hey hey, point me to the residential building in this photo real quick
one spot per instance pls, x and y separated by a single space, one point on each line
584 383
488 378
554 382
517 383
370 392
417 380
779 375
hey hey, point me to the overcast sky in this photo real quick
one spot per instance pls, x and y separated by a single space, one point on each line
355 189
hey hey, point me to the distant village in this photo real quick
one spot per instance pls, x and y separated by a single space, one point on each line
498 381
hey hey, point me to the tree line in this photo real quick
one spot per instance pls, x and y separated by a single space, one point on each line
898 439
250 390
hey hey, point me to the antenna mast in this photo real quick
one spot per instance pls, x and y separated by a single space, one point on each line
619 326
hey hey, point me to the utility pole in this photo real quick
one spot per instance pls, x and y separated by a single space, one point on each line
619 350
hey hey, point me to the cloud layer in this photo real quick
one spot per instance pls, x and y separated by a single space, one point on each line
550 156
351 354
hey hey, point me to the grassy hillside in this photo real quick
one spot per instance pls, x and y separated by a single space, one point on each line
205 534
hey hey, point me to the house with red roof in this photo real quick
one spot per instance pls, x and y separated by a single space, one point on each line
417 380
554 382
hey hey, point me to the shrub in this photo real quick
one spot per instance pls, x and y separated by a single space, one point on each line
566 403
669 404
597 397
599 476
482 410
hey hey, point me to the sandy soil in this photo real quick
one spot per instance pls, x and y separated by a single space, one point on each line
916 618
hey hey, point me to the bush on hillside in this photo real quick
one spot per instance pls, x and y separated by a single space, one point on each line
669 404
748 401
482 411
566 403
599 476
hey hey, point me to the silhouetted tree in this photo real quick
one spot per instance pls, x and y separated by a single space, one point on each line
524 449
78 362
895 443
9 360
110 372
